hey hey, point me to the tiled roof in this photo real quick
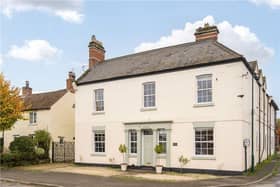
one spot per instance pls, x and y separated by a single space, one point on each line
158 60
43 101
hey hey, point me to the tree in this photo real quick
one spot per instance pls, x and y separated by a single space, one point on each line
11 105
42 139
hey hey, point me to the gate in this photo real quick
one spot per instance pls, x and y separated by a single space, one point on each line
63 151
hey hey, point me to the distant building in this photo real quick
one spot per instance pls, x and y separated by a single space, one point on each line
51 111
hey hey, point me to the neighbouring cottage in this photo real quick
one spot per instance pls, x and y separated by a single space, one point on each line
200 99
51 111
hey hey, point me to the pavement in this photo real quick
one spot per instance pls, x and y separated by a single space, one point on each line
273 181
66 179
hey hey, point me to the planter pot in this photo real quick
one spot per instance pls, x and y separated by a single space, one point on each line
159 169
124 167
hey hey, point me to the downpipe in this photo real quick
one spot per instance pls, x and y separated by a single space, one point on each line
252 130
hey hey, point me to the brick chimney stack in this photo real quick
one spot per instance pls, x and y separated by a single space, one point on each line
207 32
96 52
69 81
26 90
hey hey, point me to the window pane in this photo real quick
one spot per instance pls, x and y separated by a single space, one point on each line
99 141
204 141
204 89
149 94
99 100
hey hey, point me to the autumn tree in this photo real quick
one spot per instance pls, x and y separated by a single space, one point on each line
11 106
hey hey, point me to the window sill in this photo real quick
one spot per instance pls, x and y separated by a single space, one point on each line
132 156
33 124
148 109
98 113
161 156
206 157
98 154
203 105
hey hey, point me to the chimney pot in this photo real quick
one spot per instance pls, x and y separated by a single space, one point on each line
207 32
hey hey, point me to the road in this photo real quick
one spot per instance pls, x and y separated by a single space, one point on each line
271 182
13 184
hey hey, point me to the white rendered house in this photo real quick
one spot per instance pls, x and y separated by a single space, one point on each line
196 99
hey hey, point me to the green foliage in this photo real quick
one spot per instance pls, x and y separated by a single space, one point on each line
183 160
158 149
122 148
22 144
17 159
42 139
40 152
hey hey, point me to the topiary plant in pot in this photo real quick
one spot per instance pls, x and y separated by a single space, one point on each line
123 150
158 150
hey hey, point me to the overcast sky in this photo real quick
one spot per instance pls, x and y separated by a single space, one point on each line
42 40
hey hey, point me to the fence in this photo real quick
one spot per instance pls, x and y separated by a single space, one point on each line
63 152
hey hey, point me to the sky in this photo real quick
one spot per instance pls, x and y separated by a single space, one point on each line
42 40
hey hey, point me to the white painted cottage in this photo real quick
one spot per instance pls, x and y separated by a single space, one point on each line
195 99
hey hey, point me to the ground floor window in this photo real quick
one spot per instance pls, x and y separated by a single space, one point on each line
99 141
204 141
162 140
132 141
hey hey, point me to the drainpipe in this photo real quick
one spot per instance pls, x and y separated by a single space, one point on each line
252 132
263 121
267 134
259 124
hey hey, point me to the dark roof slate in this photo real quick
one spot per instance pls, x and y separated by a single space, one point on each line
42 101
157 60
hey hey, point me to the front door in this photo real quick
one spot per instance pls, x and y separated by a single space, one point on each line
148 147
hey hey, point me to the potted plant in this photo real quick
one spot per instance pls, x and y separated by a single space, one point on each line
158 150
183 161
123 150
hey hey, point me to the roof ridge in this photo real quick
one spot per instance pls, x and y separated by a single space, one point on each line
60 90
156 49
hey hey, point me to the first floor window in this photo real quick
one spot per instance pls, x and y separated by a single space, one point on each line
32 117
133 141
149 94
204 141
99 141
204 88
162 140
99 100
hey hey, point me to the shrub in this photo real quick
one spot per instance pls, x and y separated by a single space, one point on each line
42 139
10 159
40 152
22 144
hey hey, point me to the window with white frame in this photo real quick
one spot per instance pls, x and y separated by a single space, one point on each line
204 89
132 141
162 140
204 141
99 100
32 117
99 141
149 94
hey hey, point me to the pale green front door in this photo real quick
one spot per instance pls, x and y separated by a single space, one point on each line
147 147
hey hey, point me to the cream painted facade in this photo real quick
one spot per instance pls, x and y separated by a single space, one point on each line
178 114
58 121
